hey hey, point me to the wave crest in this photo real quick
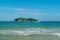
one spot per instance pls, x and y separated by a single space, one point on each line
30 31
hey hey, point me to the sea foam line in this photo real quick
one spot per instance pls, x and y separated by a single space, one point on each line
30 31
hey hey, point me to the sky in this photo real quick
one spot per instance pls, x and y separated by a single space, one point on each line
43 10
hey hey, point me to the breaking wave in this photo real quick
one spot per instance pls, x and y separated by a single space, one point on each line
31 31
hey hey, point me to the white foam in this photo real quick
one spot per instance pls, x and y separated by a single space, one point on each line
29 31
57 34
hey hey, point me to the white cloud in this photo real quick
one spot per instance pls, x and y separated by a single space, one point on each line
22 12
11 13
20 9
29 11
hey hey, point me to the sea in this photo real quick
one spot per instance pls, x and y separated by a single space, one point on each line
43 30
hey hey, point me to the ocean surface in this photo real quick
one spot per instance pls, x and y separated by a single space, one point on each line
43 30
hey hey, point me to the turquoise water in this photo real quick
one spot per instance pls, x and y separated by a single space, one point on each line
44 30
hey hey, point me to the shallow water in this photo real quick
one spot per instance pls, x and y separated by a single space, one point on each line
46 30
29 38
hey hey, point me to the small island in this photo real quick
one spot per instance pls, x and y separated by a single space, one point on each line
25 19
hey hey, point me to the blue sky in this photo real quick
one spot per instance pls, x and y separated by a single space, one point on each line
44 10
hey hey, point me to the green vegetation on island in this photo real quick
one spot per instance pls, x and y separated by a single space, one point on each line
25 19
